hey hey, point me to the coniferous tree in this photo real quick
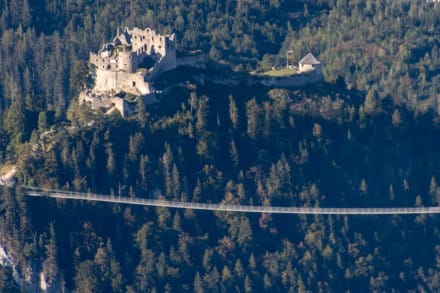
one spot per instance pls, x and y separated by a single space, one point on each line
253 112
233 112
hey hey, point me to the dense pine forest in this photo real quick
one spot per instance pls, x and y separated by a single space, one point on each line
368 136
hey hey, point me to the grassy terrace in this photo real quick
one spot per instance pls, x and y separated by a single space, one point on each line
278 73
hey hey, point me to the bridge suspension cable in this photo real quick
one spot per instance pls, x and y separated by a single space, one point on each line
53 193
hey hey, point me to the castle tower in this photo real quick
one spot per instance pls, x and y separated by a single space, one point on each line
309 63
125 60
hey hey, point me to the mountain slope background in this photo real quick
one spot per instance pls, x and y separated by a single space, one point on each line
368 136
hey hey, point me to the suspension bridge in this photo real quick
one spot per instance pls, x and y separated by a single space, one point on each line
62 194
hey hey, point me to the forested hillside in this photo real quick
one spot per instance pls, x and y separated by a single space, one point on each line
367 137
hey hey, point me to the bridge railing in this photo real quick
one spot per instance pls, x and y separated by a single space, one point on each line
35 191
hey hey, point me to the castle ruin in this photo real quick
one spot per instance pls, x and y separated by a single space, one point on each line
128 64
136 57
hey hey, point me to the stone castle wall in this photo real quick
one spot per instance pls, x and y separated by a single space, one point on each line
134 83
115 66
197 61
130 48
304 68
98 101
150 41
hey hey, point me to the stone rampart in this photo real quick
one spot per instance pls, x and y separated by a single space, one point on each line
197 61
134 83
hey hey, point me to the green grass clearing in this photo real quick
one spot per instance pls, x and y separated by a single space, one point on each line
279 73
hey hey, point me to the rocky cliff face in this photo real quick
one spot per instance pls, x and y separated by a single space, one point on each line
29 279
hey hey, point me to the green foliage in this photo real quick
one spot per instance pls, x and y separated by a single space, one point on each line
390 47
274 162
319 146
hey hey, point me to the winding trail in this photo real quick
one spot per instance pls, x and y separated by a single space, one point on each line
53 193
